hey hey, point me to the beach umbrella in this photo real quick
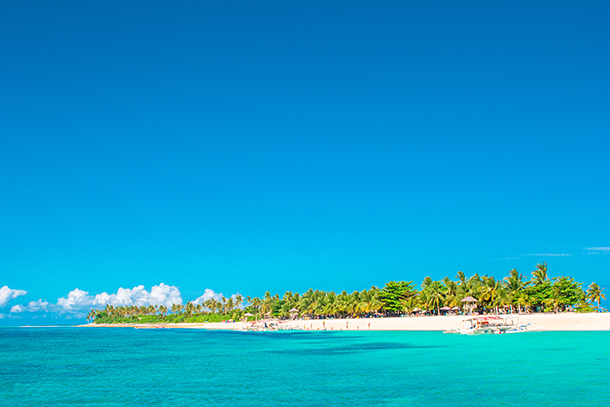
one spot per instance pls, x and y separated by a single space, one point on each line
446 308
469 299
416 309
294 313
455 308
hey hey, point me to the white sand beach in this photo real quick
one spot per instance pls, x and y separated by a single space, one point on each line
547 322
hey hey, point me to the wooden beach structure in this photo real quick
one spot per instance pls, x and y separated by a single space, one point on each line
470 303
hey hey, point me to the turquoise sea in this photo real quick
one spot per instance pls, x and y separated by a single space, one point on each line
163 367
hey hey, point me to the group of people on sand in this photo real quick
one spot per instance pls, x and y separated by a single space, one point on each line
306 328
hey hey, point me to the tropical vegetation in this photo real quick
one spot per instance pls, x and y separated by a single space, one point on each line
514 293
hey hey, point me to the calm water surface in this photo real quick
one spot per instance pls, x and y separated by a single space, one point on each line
163 367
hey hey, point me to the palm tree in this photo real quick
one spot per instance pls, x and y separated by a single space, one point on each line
176 308
255 303
152 310
351 303
315 306
238 300
427 281
594 294
451 292
491 292
368 301
502 300
331 306
461 278
229 305
189 309
409 304
540 274
473 286
223 305
436 295
266 304
210 305
514 286
423 299
524 301
91 315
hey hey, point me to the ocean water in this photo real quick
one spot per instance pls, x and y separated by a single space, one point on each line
182 367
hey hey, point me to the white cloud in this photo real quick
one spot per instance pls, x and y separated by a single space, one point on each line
7 294
208 294
549 254
39 305
161 294
17 308
597 250
78 302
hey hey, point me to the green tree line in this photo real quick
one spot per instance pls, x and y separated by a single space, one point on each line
512 294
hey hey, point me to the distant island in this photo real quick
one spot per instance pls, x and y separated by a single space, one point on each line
473 295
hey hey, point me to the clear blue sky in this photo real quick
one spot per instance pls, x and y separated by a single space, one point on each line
253 146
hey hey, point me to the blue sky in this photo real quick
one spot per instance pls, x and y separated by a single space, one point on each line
245 147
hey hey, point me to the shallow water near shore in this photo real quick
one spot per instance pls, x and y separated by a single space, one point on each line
184 367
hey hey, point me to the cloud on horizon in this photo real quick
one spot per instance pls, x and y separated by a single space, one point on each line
549 254
589 251
7 294
79 302
208 294
598 250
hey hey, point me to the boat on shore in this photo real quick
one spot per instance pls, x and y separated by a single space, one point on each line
492 324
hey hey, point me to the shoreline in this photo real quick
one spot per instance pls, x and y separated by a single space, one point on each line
547 322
